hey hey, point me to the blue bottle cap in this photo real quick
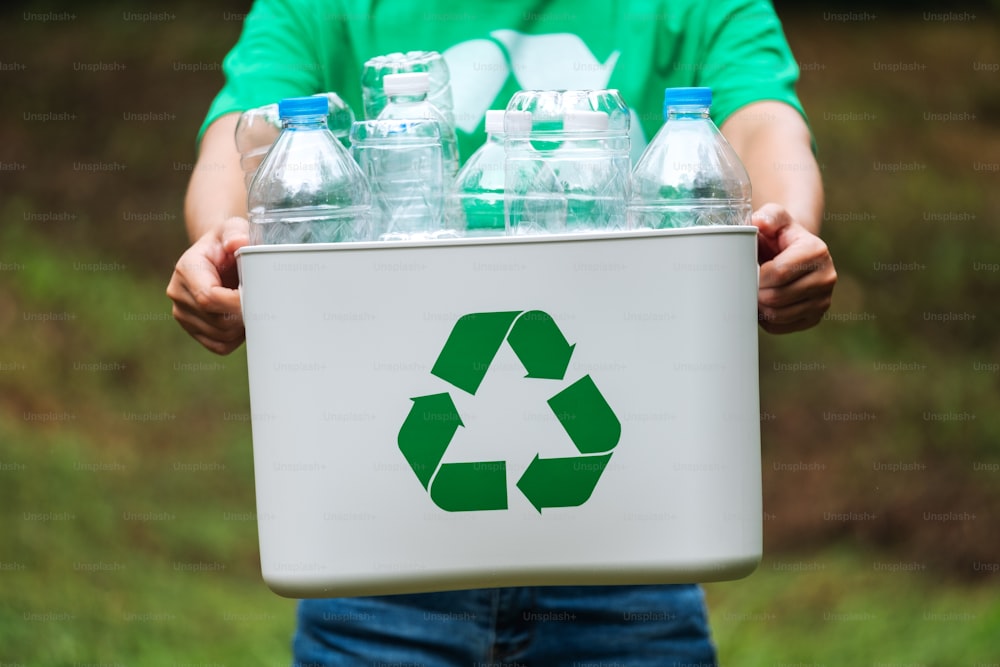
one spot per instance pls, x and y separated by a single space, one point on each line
686 97
290 107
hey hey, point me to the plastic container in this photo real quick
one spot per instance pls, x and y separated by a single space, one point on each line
407 95
258 128
474 205
375 69
534 410
308 189
689 175
569 170
404 164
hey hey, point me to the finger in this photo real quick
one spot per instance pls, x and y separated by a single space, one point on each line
219 347
220 342
806 310
787 327
813 284
770 220
805 300
198 283
219 327
211 301
220 300
806 254
235 234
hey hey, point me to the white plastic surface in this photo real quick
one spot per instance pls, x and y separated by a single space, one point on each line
340 339
494 121
407 83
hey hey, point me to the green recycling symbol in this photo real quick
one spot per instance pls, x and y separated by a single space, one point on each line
464 361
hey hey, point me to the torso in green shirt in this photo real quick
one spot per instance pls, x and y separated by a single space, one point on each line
301 47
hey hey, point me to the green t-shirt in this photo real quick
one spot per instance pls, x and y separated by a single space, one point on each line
496 47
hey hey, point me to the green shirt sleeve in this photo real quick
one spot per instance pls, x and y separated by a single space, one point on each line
746 57
735 47
287 48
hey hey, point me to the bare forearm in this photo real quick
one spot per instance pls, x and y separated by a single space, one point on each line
216 191
774 144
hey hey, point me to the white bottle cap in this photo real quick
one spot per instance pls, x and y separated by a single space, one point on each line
494 121
406 83
575 121
517 122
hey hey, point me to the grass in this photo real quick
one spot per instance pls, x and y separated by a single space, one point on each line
845 607
125 479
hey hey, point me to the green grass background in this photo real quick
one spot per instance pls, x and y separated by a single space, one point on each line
125 458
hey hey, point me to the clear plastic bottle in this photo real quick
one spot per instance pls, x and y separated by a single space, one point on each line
375 69
689 175
407 94
257 129
594 184
475 202
568 167
534 202
308 189
403 162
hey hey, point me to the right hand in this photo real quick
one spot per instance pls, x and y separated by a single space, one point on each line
204 288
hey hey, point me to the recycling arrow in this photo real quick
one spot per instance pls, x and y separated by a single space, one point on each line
463 362
469 350
587 417
541 347
426 433
562 482
471 486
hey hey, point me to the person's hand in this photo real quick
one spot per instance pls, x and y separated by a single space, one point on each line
204 288
796 272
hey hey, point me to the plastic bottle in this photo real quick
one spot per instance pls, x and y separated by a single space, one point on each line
257 129
407 94
404 164
568 168
375 69
688 175
534 202
475 202
594 184
308 189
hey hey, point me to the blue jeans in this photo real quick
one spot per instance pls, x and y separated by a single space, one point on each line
549 626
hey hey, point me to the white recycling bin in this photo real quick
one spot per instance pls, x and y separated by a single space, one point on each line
572 409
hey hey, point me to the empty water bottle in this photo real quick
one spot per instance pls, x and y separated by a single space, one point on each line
407 94
475 203
568 168
404 164
689 175
375 69
594 178
257 129
534 202
308 189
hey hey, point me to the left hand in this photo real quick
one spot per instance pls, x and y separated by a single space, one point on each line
796 272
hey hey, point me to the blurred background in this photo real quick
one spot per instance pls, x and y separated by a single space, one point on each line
127 524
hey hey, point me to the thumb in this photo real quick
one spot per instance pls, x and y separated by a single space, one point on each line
771 221
235 234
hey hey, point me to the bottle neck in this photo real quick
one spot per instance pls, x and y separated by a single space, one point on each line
407 98
304 122
687 113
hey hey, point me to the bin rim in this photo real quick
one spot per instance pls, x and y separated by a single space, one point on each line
498 240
